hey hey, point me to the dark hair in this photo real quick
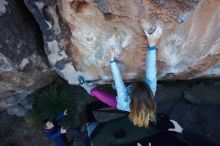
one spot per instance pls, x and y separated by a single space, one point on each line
45 122
143 104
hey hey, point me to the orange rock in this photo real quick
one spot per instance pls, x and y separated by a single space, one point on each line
79 33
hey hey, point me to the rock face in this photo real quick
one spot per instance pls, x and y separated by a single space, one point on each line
23 67
79 33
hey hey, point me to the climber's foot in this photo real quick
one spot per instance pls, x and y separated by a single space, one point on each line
81 80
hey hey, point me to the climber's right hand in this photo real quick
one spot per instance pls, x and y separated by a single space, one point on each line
62 130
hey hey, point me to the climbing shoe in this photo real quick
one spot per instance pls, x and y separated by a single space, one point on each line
81 80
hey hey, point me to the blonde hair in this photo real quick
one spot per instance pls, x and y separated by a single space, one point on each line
143 105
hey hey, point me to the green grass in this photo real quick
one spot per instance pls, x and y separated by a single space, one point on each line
54 99
50 103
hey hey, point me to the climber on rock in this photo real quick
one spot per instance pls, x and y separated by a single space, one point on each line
139 97
55 132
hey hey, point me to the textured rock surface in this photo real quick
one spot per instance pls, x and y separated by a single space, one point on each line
23 68
78 35
201 119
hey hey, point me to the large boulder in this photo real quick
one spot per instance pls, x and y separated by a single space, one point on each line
23 66
79 33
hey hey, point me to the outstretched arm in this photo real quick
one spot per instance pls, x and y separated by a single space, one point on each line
151 71
60 116
123 99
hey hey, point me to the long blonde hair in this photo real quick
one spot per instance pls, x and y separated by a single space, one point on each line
143 104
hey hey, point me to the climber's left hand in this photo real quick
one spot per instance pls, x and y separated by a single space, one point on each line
112 54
